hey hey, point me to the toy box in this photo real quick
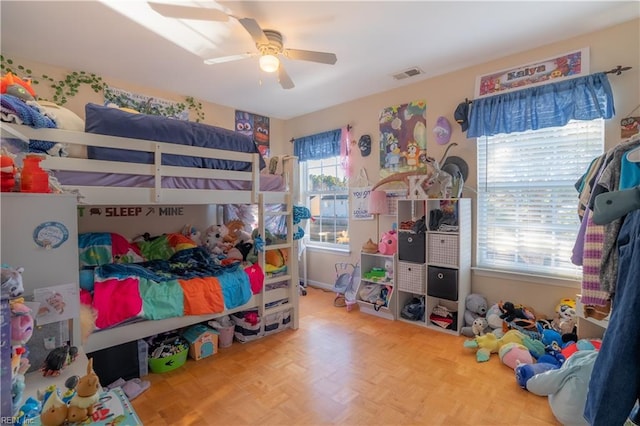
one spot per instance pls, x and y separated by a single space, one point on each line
203 341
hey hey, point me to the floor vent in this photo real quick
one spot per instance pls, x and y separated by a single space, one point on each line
411 72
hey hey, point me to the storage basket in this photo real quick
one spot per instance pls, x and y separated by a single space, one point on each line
443 249
411 277
163 365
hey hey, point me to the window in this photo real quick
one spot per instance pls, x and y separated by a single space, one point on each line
325 189
527 200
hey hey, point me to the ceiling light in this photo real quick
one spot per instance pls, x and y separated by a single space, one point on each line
269 63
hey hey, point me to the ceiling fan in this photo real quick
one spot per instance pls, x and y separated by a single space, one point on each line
268 42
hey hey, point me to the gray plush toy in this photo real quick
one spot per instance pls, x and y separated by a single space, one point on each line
475 307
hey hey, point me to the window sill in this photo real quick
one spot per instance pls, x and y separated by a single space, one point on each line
320 248
530 278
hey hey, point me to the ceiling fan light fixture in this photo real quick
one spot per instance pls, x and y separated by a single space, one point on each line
269 63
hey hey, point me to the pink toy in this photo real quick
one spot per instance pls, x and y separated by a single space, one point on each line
21 324
514 354
388 244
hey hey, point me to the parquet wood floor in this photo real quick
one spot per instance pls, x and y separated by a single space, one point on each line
347 368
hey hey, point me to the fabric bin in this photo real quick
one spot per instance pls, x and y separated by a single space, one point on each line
411 277
276 322
245 330
443 249
442 283
411 246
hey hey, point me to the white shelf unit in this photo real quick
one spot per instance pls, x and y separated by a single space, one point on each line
370 263
434 265
589 328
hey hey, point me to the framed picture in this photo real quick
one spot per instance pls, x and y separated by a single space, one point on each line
568 65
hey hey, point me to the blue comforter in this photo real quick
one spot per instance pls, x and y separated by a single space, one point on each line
114 122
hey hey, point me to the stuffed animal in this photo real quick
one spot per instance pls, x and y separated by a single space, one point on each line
517 315
490 344
81 405
566 387
513 354
8 172
11 278
21 324
13 85
524 372
475 306
54 410
388 244
480 326
494 320
214 239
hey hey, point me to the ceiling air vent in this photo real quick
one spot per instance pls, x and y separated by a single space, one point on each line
411 72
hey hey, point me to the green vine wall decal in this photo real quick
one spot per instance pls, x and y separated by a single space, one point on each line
71 83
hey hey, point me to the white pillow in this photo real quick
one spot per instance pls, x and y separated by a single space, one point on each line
66 120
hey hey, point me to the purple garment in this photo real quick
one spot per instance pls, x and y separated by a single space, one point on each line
578 248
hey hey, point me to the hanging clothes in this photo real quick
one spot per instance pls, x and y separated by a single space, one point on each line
615 383
610 181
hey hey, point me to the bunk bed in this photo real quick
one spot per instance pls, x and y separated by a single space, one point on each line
150 160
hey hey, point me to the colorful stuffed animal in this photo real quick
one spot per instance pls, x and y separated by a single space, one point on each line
514 354
524 372
8 172
566 387
214 239
13 85
490 344
475 307
11 279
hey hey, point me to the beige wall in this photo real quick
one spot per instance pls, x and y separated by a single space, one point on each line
618 45
215 115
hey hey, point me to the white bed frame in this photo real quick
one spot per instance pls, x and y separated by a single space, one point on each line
103 195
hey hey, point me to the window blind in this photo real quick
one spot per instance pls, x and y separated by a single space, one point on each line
527 198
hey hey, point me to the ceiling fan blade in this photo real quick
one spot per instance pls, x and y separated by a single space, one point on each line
223 59
188 12
253 28
284 79
309 55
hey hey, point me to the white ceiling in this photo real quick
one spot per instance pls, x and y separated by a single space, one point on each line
372 41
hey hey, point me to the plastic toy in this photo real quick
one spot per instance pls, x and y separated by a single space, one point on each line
58 359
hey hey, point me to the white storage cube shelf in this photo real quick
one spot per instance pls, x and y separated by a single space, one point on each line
411 277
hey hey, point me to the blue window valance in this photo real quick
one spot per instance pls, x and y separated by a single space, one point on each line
318 146
549 105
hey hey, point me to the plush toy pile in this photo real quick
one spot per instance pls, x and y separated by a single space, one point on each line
546 355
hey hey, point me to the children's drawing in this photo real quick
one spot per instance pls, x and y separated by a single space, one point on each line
57 303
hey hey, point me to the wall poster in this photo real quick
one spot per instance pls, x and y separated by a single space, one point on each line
403 138
568 65
145 104
256 126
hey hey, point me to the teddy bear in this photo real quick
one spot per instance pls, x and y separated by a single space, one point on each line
475 307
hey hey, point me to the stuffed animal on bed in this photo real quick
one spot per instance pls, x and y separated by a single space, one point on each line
214 239
13 85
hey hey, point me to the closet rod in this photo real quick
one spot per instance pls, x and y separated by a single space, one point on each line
617 70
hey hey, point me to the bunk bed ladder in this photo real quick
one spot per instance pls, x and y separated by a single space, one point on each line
291 292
